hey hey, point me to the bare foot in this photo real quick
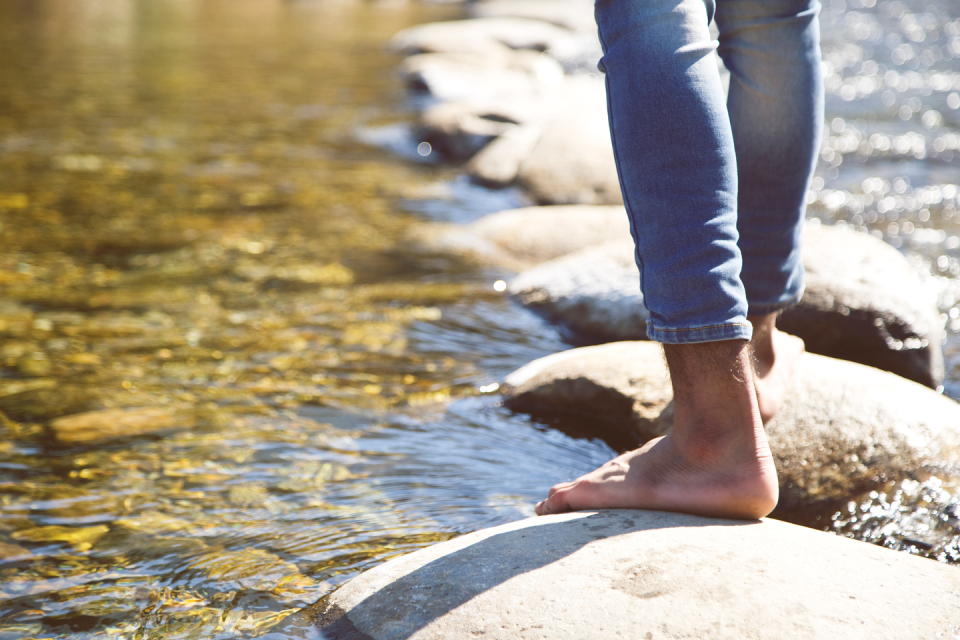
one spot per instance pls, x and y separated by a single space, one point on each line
715 462
776 355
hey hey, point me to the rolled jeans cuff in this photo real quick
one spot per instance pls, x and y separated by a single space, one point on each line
709 333
777 307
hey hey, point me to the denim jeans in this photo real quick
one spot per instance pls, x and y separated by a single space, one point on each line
715 187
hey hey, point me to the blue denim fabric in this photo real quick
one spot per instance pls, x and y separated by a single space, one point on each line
715 187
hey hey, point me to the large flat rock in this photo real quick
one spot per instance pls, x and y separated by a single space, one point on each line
844 429
573 162
559 29
450 76
647 574
449 37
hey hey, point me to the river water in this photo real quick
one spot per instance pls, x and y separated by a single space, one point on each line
192 228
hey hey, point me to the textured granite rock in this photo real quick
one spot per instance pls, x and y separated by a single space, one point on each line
553 136
502 89
863 300
844 429
573 162
646 574
459 76
578 53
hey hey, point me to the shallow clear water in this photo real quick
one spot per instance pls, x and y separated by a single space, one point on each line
200 223
192 229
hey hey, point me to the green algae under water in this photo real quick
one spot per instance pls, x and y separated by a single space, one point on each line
277 392
196 248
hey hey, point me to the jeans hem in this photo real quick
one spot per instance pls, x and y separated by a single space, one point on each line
709 333
777 307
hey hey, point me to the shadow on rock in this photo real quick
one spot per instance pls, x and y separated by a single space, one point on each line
396 600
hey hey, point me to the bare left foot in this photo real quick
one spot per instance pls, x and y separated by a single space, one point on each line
776 355
716 460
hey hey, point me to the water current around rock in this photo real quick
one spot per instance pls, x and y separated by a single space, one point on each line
198 245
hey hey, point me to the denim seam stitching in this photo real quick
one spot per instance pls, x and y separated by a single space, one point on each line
709 326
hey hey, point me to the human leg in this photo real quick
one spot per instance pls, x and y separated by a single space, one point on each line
775 358
678 173
775 104
676 160
677 167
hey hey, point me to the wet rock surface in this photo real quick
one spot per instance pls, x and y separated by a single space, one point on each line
647 574
844 428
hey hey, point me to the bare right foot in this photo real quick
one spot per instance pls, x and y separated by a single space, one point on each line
776 355
715 462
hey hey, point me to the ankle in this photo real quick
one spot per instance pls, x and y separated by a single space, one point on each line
761 344
715 403
706 443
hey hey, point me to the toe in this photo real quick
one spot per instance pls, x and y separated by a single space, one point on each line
556 502
558 487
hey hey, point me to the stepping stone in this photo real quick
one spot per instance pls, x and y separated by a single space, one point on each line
573 162
523 238
646 574
449 76
594 292
527 126
578 55
503 94
844 429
